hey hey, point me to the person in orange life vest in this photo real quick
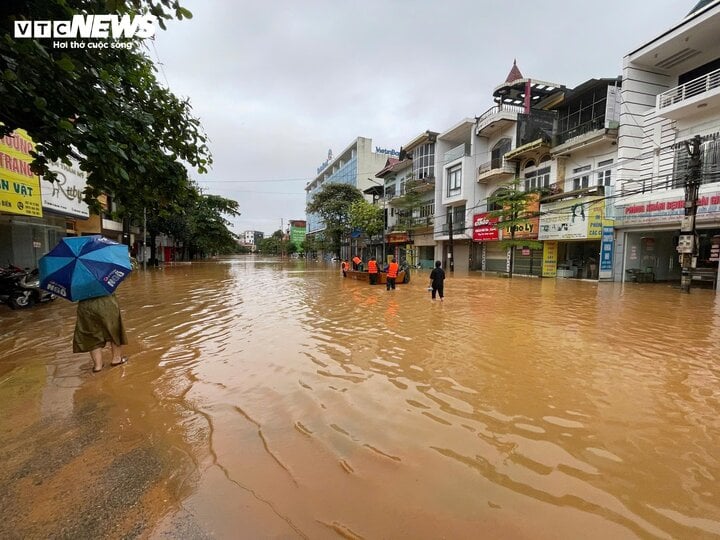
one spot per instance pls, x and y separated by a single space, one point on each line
372 270
344 267
357 261
392 273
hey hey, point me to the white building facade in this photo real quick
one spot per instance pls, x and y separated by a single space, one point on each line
670 94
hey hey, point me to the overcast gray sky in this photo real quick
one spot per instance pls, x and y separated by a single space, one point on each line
278 83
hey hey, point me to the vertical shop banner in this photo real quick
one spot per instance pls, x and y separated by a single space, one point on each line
19 186
550 253
607 244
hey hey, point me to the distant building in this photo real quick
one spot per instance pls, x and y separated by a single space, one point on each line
297 231
251 239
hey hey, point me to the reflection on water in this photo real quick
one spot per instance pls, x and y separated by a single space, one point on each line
268 398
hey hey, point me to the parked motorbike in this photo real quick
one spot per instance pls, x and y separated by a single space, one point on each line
20 288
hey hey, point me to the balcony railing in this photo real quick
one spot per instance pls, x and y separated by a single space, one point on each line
689 89
494 164
412 223
586 127
492 111
457 152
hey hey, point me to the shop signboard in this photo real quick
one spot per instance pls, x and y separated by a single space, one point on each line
19 186
65 195
485 228
574 219
550 254
527 228
667 209
607 244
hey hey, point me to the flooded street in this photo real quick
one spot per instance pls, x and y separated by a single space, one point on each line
276 399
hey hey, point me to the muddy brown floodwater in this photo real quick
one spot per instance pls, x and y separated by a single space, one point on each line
269 399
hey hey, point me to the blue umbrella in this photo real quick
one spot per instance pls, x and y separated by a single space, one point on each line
83 267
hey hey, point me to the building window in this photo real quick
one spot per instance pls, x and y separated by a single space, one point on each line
427 210
604 177
580 180
424 161
537 179
501 148
454 176
458 218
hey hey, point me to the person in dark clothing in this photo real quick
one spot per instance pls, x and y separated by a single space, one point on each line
437 278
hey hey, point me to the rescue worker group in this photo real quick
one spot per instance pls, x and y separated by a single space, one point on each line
374 274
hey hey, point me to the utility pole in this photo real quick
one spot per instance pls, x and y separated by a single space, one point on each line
450 240
144 244
687 245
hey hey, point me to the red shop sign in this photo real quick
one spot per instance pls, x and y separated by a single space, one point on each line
484 228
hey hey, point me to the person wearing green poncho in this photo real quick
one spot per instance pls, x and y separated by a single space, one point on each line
99 321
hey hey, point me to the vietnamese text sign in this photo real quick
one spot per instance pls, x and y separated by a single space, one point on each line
65 195
485 228
549 264
574 219
19 186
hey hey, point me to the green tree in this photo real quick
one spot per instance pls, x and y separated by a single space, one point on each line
332 203
367 217
104 106
513 207
210 233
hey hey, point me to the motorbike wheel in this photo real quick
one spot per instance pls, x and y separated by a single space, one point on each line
21 300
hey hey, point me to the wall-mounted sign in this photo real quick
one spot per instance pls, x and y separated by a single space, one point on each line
550 254
325 163
667 210
65 195
606 252
485 228
387 151
19 186
574 219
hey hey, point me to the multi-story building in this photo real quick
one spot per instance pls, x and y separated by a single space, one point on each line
356 165
670 94
409 205
251 239
512 139
455 193
574 215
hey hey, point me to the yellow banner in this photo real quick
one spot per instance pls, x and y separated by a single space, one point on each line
550 254
19 187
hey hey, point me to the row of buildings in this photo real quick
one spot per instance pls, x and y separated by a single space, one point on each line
35 214
610 156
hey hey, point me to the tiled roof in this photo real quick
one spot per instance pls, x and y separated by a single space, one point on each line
514 74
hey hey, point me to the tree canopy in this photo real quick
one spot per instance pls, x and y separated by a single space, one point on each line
332 203
367 217
103 106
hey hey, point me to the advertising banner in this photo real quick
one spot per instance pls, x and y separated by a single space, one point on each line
606 252
66 194
485 228
19 186
550 254
574 219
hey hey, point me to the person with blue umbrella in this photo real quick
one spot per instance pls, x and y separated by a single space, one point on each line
88 269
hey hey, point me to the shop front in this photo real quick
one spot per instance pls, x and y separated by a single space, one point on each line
572 233
489 255
648 227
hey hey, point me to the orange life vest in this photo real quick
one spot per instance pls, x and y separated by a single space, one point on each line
393 269
357 260
372 267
